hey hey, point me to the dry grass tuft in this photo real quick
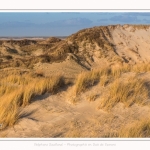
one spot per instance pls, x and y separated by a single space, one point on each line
9 111
74 133
85 80
138 129
128 92
92 97
40 73
143 67
104 79
16 91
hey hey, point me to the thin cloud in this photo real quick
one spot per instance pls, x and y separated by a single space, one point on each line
100 20
125 19
69 22
146 21
16 24
138 14
59 23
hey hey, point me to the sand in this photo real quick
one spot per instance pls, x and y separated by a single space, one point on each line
56 115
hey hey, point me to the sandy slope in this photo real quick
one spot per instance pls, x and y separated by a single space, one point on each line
56 116
132 45
68 68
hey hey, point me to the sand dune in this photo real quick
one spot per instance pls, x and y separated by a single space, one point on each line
105 87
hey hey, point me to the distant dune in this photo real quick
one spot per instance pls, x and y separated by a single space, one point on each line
112 44
30 38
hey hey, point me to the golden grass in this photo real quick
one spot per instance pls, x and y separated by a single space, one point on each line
137 68
144 67
104 79
117 71
16 91
9 111
92 97
138 129
73 133
131 91
85 80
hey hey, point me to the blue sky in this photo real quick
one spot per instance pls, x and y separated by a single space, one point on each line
63 23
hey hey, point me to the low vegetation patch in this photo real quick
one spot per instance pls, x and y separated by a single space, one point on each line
85 80
92 97
18 90
128 92
138 129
